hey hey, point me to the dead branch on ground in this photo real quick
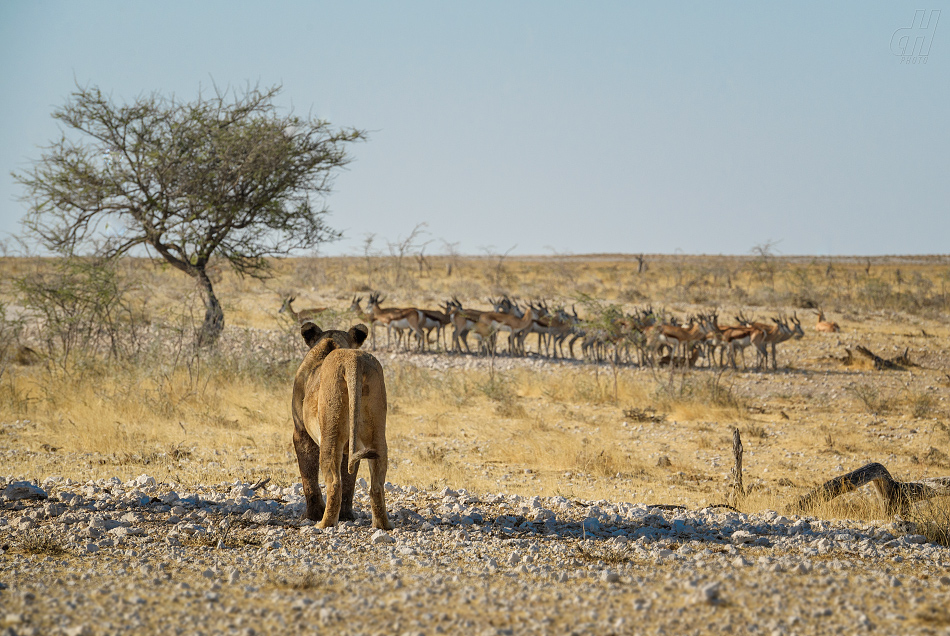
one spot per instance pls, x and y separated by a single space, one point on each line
897 495
897 363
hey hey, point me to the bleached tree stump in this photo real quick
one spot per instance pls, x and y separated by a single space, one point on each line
897 495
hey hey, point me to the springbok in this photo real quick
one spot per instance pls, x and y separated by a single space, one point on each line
826 326
738 338
463 321
560 326
776 333
434 319
302 316
677 338
491 322
400 319
363 316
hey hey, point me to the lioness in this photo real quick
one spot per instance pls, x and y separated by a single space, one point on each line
339 410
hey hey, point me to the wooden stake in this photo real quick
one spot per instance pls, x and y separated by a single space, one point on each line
738 492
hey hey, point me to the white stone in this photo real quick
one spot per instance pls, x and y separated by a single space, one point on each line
18 490
709 593
609 576
381 536
742 536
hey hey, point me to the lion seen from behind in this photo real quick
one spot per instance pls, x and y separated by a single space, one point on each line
339 412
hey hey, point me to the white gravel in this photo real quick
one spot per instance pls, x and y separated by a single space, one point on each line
143 557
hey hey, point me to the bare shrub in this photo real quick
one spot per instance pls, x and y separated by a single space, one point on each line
933 520
82 307
601 552
871 398
922 404
42 543
299 581
707 390
595 460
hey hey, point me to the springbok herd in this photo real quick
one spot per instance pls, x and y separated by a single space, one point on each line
644 337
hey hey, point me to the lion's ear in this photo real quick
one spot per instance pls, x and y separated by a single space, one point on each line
359 333
311 333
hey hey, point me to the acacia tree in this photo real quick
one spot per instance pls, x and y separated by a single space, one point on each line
226 175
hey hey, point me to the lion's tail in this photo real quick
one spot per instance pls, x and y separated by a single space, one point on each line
354 386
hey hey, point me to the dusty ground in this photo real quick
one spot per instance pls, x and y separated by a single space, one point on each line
115 558
562 431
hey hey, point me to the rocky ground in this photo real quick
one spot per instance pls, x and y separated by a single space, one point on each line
140 557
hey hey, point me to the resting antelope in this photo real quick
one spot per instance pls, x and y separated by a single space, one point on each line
302 316
826 326
401 319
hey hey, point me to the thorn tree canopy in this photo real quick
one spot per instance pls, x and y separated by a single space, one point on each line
226 175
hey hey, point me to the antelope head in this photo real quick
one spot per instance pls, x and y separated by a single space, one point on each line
284 307
797 332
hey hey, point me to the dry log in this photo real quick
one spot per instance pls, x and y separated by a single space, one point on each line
904 359
897 495
263 481
879 362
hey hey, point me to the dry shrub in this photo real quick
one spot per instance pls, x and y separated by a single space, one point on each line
298 581
933 519
934 615
922 404
432 455
603 552
405 380
871 398
648 414
936 457
499 390
705 397
586 386
754 430
42 543
595 460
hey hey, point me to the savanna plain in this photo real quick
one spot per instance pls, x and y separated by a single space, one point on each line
529 493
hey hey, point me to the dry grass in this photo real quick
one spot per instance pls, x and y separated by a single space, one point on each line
576 430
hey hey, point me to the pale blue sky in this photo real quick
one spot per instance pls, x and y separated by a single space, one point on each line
579 127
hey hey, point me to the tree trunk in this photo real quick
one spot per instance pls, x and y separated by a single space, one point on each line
214 314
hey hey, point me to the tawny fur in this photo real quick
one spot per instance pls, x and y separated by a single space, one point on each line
826 326
303 315
339 412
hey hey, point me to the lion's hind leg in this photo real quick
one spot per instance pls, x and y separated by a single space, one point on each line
377 491
330 456
349 486
308 459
